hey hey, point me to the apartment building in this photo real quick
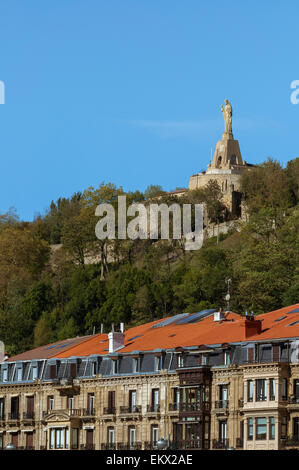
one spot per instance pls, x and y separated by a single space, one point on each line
208 380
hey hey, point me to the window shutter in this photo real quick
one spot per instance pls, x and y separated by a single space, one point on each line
275 352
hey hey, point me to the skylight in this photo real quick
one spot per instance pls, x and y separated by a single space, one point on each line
281 318
294 323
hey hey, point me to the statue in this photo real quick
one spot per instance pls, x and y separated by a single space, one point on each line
227 112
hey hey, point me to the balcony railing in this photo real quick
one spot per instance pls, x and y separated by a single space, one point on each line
154 408
14 415
130 409
174 407
189 444
87 447
150 445
294 400
221 404
28 415
88 412
220 443
129 446
70 412
291 441
109 410
109 446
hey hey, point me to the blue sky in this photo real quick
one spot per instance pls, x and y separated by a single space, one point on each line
129 91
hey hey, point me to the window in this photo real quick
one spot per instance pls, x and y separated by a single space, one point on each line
155 399
75 441
70 403
261 428
180 360
204 359
132 436
250 429
5 375
227 358
283 428
2 402
132 400
261 389
249 390
271 427
157 363
90 402
135 365
111 401
19 374
94 368
272 389
59 438
176 399
111 435
50 402
155 434
114 367
284 391
34 372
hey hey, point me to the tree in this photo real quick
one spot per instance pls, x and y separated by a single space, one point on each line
153 190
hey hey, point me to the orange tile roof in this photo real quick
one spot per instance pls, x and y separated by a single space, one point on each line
206 331
146 338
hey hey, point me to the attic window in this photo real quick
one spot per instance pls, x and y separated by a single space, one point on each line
294 323
281 318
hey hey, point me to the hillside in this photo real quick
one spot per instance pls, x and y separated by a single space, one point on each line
50 294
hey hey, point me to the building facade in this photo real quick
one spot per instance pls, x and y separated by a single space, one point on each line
201 381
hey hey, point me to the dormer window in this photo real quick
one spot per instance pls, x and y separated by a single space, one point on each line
34 372
114 366
135 365
180 360
157 363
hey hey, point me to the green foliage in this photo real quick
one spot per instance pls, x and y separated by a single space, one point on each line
54 293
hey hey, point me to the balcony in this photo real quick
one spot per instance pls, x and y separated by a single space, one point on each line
293 400
130 412
109 410
153 410
150 445
194 406
221 404
173 407
192 444
13 416
87 447
88 414
220 443
129 446
290 441
108 446
28 416
71 413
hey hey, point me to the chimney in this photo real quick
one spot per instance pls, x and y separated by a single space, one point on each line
116 339
219 316
122 327
102 328
252 326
